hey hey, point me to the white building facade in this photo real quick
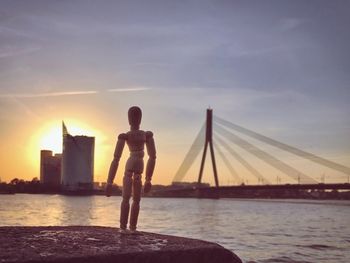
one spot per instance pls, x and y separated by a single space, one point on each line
77 162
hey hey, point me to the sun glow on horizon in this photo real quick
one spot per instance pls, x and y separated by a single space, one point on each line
51 134
52 140
49 137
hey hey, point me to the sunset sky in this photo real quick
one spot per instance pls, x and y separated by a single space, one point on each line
281 68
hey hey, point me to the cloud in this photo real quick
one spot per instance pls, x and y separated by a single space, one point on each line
129 89
9 51
290 23
47 94
69 93
27 110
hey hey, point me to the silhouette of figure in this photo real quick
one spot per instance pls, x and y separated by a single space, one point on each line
132 183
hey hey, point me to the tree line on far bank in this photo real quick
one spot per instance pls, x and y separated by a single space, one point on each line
21 186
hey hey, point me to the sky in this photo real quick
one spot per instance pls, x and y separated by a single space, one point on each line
281 68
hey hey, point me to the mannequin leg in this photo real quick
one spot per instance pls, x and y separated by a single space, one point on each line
125 206
136 196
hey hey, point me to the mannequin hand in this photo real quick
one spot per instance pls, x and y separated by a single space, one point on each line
147 187
108 190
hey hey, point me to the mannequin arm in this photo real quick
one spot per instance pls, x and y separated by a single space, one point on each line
117 154
151 151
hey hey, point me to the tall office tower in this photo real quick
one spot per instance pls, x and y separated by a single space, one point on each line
77 161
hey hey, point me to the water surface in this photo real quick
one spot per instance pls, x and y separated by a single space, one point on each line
256 230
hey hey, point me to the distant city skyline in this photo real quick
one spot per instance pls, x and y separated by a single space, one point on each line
280 68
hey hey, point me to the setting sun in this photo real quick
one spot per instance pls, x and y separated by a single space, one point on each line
52 140
49 137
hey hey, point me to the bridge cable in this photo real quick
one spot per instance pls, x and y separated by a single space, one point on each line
191 155
271 160
283 146
240 159
228 165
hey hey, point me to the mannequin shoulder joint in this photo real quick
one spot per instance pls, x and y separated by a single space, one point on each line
123 136
149 135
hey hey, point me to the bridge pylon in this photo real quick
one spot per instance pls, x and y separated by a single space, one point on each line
209 141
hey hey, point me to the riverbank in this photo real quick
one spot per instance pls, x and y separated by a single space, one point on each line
286 191
104 244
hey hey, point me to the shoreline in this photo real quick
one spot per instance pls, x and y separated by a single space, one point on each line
286 191
277 200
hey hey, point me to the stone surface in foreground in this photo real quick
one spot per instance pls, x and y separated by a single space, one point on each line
104 244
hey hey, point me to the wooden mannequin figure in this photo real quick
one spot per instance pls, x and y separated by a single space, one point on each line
132 181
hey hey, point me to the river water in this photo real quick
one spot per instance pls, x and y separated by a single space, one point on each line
256 230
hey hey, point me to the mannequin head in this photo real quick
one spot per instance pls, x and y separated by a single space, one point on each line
134 116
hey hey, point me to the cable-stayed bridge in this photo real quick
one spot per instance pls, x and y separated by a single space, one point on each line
218 134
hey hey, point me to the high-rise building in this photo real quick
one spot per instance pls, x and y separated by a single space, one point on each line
50 168
77 162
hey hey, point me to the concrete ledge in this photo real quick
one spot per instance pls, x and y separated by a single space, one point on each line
103 244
